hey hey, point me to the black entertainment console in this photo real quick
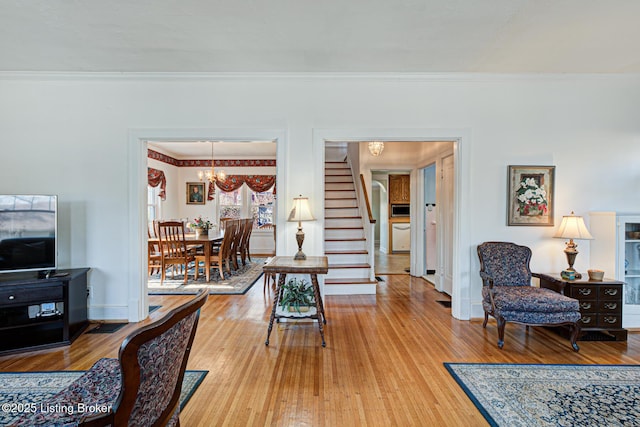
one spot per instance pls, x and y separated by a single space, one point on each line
42 310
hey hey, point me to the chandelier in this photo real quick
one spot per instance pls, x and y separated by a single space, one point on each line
210 174
376 147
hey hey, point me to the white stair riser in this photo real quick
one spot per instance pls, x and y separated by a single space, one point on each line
329 194
344 245
347 289
337 178
341 203
342 212
342 222
329 186
348 273
348 258
337 171
344 233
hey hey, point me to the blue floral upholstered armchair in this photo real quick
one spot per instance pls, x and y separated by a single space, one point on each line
508 296
141 387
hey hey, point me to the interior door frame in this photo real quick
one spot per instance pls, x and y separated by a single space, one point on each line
138 300
461 138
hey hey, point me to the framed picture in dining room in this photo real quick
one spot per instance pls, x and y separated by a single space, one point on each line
195 193
530 195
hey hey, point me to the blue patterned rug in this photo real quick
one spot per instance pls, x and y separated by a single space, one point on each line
552 395
236 283
19 389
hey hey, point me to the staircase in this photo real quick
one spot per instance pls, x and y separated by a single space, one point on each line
344 238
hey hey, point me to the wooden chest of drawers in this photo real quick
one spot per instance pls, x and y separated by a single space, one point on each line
600 303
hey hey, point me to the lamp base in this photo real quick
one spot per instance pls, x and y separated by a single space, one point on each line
300 256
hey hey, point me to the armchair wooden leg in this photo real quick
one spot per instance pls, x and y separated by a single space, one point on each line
486 319
501 325
575 331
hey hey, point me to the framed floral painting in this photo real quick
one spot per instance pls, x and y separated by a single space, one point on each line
530 195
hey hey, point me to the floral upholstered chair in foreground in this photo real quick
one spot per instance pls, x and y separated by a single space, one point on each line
142 387
508 296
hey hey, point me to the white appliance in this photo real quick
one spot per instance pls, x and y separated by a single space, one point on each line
401 236
430 239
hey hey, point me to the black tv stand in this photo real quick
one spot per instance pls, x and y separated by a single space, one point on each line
39 312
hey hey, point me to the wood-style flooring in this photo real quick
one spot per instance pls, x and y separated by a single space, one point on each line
383 364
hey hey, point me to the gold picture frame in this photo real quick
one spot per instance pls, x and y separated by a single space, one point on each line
196 193
530 195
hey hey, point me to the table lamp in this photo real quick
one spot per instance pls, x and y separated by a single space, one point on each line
300 212
572 227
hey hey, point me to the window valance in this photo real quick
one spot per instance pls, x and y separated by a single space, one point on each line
257 183
156 177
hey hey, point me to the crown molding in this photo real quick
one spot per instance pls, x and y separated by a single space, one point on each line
381 76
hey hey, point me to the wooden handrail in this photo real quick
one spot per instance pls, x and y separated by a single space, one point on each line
366 200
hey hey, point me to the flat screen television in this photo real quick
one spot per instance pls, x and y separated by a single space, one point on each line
28 233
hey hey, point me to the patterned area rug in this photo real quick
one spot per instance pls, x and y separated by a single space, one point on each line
552 395
20 389
236 283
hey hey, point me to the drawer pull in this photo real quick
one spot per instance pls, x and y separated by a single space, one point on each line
585 305
610 305
11 297
611 292
610 319
586 319
584 291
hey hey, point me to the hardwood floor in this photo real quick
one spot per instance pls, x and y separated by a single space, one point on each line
383 364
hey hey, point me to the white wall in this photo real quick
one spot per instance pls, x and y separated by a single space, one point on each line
70 134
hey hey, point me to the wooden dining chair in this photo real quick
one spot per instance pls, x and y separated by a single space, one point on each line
243 251
154 256
235 243
219 254
174 249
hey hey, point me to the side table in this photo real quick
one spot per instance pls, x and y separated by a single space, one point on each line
312 266
600 302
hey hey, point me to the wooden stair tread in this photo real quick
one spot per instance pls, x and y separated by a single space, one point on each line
342 217
346 252
344 239
347 281
344 228
340 198
341 207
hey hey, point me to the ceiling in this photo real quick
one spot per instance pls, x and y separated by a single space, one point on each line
412 36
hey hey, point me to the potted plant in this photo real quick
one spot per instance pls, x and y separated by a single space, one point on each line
200 226
297 296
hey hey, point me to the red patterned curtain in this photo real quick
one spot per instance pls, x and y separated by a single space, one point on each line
156 177
233 182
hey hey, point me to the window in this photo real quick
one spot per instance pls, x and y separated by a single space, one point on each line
153 203
230 203
246 203
262 207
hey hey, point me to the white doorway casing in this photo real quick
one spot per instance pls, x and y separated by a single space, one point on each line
461 262
138 303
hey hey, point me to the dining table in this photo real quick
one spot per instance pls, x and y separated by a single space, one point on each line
207 241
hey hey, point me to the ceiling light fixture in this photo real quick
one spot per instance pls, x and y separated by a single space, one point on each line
210 174
376 147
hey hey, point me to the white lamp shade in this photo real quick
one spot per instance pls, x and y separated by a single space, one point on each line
301 210
572 227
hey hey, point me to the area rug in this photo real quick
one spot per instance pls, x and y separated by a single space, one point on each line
552 395
20 389
236 283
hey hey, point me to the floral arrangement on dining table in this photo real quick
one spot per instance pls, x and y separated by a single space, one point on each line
532 199
202 224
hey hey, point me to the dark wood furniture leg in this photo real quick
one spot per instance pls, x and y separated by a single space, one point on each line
276 299
319 308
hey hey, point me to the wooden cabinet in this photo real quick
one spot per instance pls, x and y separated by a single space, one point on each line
41 313
600 304
399 189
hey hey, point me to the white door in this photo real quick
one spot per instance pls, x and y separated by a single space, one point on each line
446 224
